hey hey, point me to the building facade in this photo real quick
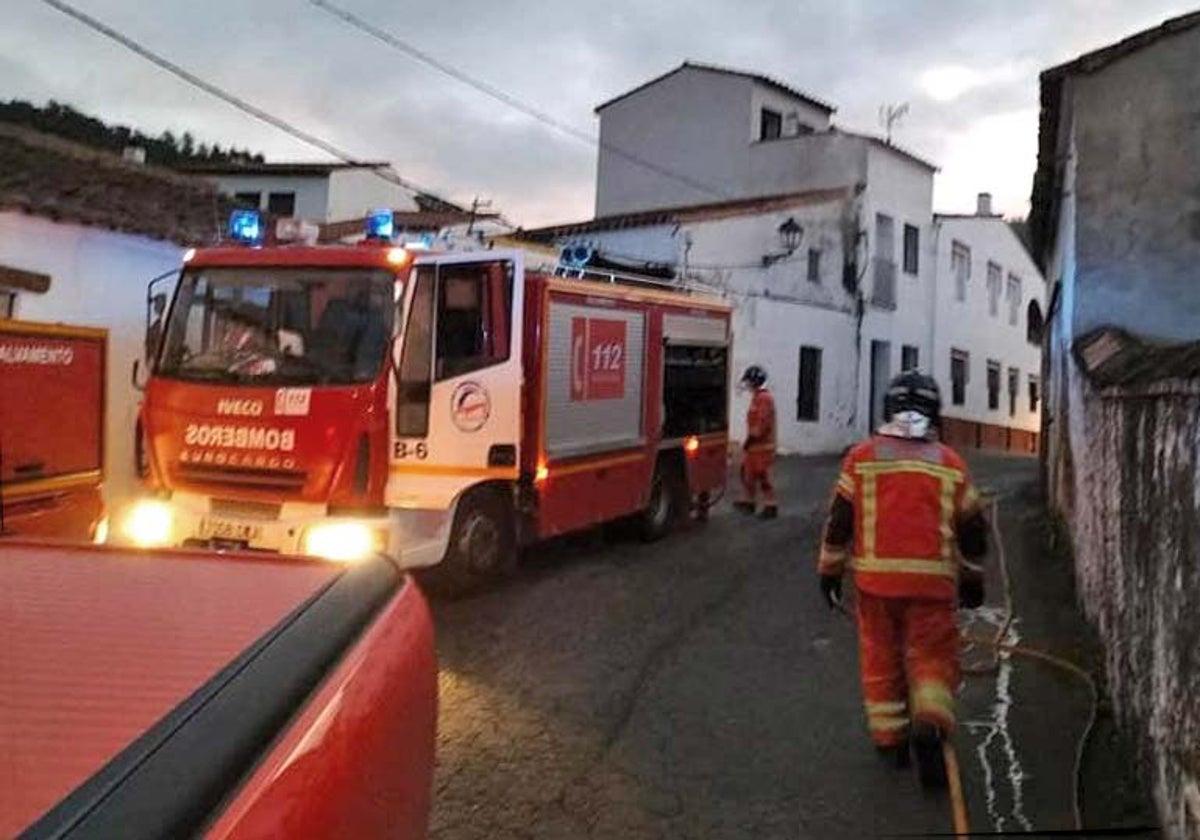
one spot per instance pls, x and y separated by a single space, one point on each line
987 328
824 240
319 192
1115 223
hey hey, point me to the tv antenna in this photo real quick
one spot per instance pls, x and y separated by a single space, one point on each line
889 118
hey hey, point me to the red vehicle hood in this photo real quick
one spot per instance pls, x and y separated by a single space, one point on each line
99 645
281 442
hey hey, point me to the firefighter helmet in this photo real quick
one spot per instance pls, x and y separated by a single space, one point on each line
754 376
913 391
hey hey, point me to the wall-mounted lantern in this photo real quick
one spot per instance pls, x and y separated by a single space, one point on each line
790 236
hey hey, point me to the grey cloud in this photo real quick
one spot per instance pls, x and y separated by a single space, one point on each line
563 58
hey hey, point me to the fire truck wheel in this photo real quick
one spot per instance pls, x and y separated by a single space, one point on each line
667 500
482 547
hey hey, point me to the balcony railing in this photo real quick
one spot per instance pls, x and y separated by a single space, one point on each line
883 287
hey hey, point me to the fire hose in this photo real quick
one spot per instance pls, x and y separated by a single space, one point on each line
1000 648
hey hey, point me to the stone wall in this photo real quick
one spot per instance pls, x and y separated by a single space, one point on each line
1136 531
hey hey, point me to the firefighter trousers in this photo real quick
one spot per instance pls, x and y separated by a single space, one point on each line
756 475
908 650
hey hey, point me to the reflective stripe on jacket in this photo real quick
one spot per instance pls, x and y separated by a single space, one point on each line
908 497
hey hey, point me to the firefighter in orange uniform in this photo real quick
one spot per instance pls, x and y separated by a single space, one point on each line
758 452
904 514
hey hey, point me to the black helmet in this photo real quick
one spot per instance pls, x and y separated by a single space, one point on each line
755 376
913 391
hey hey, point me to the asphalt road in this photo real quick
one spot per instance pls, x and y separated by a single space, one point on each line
698 688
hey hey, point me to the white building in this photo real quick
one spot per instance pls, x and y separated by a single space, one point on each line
81 234
987 330
320 192
700 169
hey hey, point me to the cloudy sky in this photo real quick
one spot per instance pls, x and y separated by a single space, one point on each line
968 70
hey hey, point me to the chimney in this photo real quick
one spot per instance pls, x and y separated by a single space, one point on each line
134 154
983 205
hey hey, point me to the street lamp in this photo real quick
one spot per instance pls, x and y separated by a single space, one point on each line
790 236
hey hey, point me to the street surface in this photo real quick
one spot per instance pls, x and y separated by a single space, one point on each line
699 688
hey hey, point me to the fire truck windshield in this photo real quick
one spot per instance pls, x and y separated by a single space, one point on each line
302 326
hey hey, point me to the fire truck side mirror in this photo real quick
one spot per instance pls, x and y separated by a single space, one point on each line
137 377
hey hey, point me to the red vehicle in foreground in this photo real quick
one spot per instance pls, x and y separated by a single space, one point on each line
444 409
182 694
51 429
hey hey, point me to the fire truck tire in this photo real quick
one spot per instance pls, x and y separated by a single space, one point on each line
668 500
482 547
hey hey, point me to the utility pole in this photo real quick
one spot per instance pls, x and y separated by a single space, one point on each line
477 204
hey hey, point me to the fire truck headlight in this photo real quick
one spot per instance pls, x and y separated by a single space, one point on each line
341 541
100 537
148 524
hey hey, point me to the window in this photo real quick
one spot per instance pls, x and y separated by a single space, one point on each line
808 399
1034 323
1014 299
281 204
993 385
1014 388
909 358
278 326
994 279
473 314
695 390
8 304
814 265
253 200
959 373
883 293
960 267
412 385
1034 396
912 239
770 126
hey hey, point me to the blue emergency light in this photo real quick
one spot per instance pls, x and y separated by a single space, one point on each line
245 226
381 224
576 256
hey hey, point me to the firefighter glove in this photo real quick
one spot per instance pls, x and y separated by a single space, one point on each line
831 590
970 587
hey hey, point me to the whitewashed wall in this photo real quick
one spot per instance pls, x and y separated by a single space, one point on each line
694 123
902 189
767 96
355 192
98 279
967 325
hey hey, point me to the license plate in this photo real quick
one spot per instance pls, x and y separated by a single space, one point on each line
223 529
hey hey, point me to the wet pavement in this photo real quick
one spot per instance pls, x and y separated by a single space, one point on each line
698 687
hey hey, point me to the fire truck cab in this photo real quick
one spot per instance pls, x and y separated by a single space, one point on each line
441 408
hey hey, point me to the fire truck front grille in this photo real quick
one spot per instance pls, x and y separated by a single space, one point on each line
258 479
265 511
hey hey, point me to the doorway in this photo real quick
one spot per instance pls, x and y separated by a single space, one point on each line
881 374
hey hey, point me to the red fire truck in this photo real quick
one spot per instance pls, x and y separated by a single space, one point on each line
442 408
51 429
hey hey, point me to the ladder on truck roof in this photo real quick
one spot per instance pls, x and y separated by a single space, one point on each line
612 277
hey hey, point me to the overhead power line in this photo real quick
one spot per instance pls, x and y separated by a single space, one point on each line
506 98
236 101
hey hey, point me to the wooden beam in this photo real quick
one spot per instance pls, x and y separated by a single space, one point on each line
28 281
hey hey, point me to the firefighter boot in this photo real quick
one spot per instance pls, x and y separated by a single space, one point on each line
895 755
746 507
769 512
927 750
